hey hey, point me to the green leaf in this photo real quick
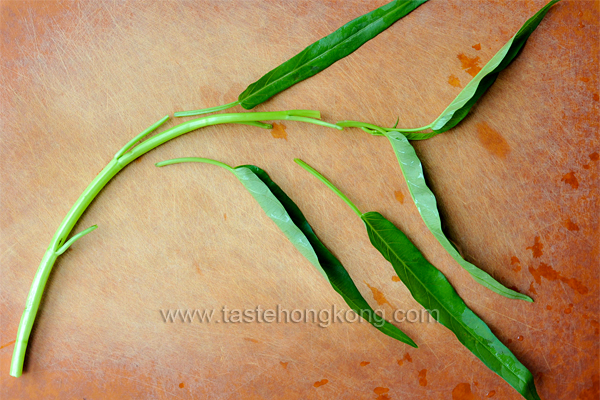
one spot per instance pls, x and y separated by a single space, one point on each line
461 105
426 204
288 217
433 291
473 91
326 51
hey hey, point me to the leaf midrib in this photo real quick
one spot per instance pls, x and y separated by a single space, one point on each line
441 304
268 84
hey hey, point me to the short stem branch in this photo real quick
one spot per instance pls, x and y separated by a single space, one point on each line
329 184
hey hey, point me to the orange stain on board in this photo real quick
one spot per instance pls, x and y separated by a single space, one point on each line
570 225
549 307
7 344
381 390
536 248
395 278
283 364
570 179
225 216
594 156
516 262
407 357
278 131
462 391
454 81
596 326
470 65
532 289
477 46
546 271
321 383
569 309
181 385
492 140
423 377
491 393
378 296
364 363
399 196
251 340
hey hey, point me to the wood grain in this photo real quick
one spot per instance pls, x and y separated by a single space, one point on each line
516 184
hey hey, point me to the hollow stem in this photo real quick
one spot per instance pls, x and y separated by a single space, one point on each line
328 184
122 158
142 135
194 159
314 121
206 110
359 124
256 123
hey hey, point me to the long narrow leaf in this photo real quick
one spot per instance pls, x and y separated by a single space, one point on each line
461 105
433 291
326 51
473 91
426 204
288 217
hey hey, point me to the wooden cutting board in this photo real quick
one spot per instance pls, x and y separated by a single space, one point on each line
516 184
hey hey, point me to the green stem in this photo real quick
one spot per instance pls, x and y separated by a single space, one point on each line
329 184
206 110
193 159
121 159
74 239
358 124
256 123
142 135
322 123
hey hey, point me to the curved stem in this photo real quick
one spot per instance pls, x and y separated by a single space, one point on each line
329 184
314 121
213 119
206 110
121 159
142 135
193 159
421 129
359 124
256 123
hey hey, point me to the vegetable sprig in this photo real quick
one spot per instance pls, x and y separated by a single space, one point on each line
121 159
426 203
318 56
432 290
474 90
288 217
